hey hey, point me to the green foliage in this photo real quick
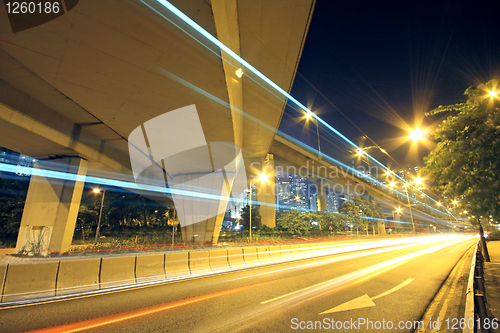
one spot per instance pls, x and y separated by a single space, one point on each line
293 222
495 235
122 210
359 208
13 191
465 162
245 216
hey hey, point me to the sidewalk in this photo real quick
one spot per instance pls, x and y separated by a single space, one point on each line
492 280
450 300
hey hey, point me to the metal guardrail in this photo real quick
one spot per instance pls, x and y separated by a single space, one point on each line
475 305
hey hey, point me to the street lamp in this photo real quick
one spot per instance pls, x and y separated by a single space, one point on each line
418 181
416 135
263 178
309 115
398 210
96 190
493 94
409 207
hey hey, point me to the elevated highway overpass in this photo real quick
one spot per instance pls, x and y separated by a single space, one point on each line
73 89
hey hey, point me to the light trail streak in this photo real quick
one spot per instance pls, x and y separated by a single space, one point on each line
236 57
214 41
9 168
363 274
308 294
107 320
321 251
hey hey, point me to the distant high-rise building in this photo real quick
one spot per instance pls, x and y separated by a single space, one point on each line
313 203
293 192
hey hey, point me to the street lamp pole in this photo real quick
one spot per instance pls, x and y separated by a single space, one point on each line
409 207
319 146
96 190
251 183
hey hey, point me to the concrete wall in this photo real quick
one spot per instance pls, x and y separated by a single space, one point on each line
39 279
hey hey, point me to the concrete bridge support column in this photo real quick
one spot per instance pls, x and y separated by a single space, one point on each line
51 208
321 193
381 227
266 195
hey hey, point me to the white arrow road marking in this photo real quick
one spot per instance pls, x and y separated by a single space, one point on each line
364 301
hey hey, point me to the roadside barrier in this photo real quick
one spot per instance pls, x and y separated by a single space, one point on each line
475 304
150 267
22 282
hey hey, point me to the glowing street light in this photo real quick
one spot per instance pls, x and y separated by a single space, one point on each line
418 181
392 184
416 135
438 203
239 72
388 173
493 94
360 153
455 202
96 190
309 115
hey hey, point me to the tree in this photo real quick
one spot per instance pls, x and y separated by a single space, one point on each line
465 162
245 216
13 190
352 211
293 222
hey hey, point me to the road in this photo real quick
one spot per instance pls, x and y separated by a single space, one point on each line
382 286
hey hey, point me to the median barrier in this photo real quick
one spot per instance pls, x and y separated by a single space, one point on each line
218 260
3 272
263 253
235 257
294 248
177 264
150 267
275 251
316 246
117 271
78 276
285 250
305 247
24 282
199 262
250 255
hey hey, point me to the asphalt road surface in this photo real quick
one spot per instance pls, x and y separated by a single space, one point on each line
377 290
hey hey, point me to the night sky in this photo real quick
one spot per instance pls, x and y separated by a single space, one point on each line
384 64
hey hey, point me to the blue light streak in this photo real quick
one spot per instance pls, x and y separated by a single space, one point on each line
248 66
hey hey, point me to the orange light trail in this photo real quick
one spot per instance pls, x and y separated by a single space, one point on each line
107 320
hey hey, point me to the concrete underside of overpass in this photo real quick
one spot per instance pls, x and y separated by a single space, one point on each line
73 89
291 157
